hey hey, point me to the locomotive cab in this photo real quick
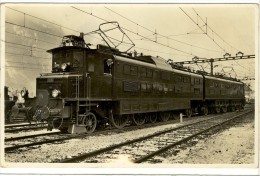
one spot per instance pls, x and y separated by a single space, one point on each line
78 76
68 57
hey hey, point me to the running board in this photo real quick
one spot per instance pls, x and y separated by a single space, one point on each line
76 129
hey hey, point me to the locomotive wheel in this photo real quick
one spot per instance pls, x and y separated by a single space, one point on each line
224 109
30 111
232 108
205 110
153 118
8 116
64 130
119 121
188 113
217 109
55 123
37 116
45 113
14 112
90 122
238 107
138 119
175 116
164 116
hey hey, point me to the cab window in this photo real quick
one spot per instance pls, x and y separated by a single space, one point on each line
108 66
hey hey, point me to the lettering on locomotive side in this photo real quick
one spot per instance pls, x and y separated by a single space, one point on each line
131 86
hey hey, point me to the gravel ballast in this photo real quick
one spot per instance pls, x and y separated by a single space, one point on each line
231 146
200 153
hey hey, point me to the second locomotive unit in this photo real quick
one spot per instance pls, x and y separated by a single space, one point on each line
95 87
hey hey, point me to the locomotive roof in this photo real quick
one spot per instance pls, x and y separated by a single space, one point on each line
154 62
133 61
65 47
158 63
187 73
222 79
161 64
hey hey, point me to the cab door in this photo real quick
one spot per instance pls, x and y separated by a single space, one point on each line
98 78
107 77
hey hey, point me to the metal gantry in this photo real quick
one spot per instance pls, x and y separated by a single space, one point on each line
227 57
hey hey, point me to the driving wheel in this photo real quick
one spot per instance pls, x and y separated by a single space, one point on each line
224 109
164 116
205 110
217 109
188 113
138 119
119 121
152 117
90 122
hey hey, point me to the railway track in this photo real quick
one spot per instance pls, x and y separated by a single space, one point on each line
142 149
64 137
42 139
47 138
32 137
20 128
23 125
15 146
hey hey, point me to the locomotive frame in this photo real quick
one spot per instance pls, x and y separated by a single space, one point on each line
90 87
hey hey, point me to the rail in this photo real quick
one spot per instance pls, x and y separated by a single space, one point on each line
134 141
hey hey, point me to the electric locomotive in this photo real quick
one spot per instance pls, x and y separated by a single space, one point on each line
99 86
95 87
223 94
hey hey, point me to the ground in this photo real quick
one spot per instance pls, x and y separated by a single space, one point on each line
231 146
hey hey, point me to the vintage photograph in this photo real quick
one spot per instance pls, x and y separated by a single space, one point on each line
130 85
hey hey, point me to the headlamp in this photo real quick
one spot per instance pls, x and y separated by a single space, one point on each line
63 66
55 93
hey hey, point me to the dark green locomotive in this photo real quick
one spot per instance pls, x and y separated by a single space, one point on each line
95 87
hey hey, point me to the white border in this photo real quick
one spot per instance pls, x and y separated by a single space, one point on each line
124 171
2 77
135 1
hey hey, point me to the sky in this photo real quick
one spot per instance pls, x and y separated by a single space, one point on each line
173 27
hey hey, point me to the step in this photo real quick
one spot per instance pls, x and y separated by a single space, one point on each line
91 104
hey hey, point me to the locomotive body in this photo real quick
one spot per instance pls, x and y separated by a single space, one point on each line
223 95
90 87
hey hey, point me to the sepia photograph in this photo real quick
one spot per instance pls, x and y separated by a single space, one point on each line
129 85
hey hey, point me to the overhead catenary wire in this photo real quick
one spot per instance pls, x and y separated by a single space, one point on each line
153 41
27 55
25 45
32 38
130 20
67 28
162 36
88 35
132 31
43 19
203 30
44 32
55 35
160 51
219 37
214 31
28 49
156 51
242 66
